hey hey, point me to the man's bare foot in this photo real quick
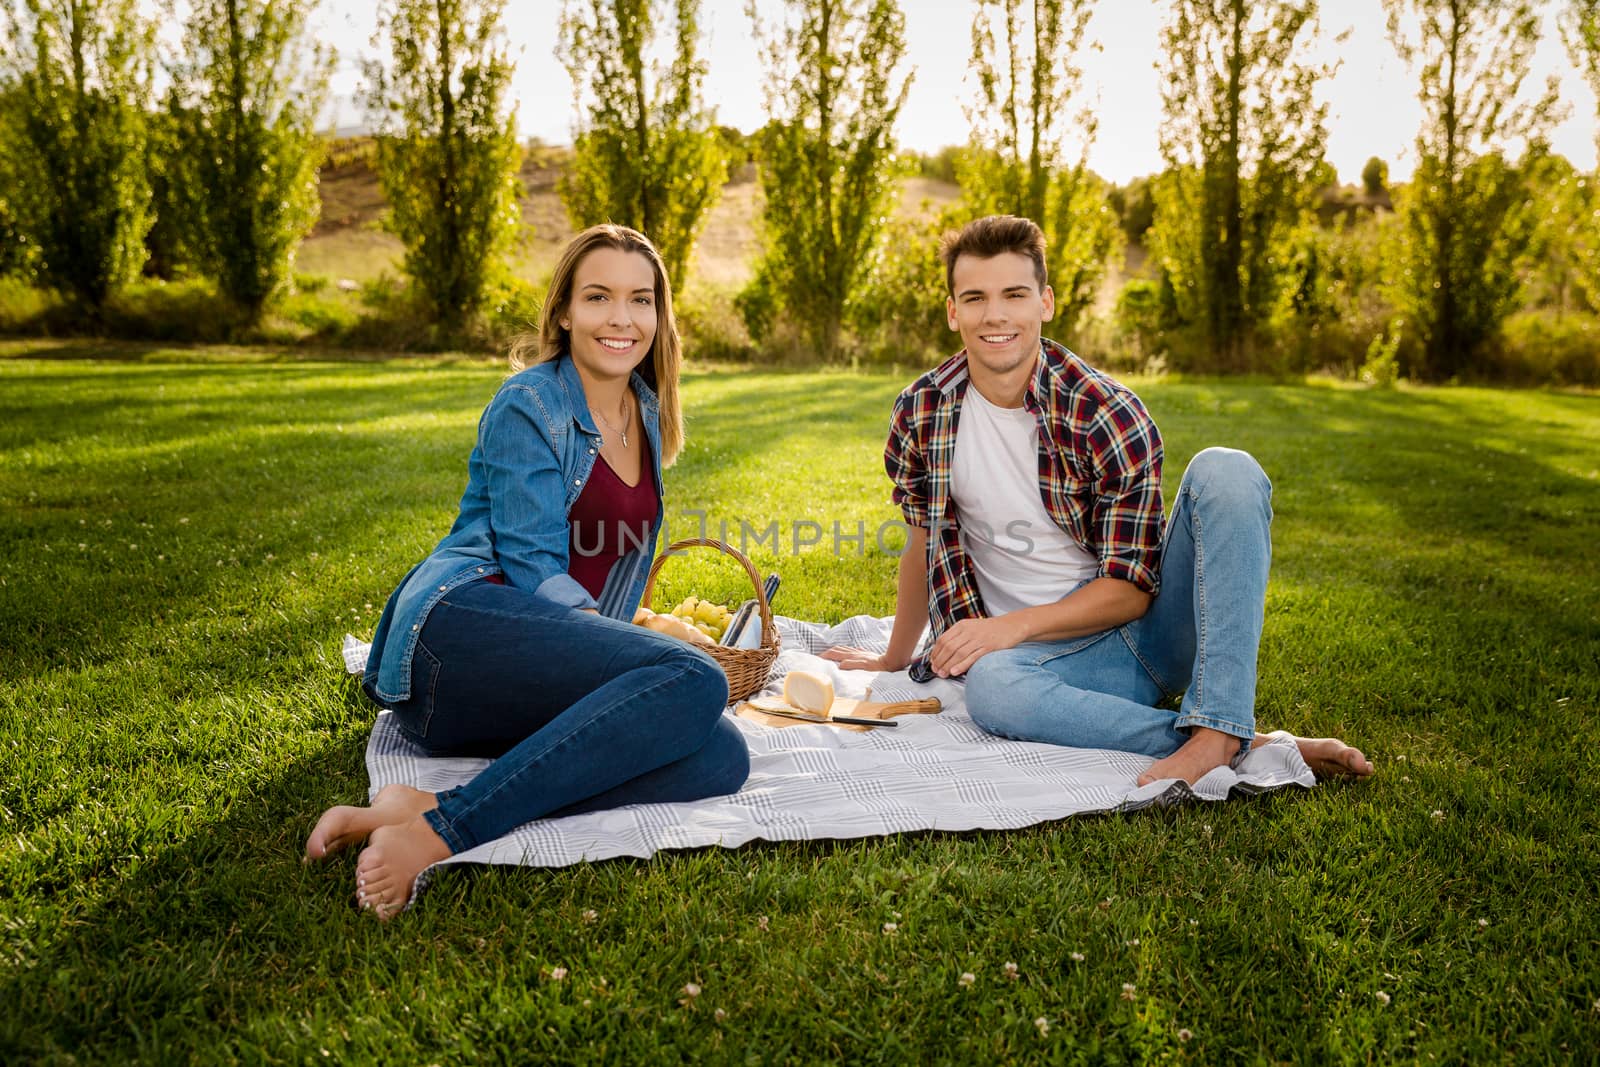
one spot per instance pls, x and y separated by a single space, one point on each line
345 825
1204 752
1329 757
390 863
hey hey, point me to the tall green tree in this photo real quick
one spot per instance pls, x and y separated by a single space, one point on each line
1467 214
80 72
1580 31
1025 55
648 155
246 95
828 164
14 251
447 147
1242 134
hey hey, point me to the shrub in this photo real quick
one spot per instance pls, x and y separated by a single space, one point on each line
23 307
1382 366
712 328
190 310
1549 348
1145 312
899 315
324 315
1335 303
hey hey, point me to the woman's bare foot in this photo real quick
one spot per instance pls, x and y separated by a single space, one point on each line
1204 752
345 825
390 863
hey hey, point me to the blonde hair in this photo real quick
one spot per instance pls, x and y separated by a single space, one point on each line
660 369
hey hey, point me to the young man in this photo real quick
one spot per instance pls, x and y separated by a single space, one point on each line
1032 485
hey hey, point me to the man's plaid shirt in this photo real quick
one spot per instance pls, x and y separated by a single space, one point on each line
1099 476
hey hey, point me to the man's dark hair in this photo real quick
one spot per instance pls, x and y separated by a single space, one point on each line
988 237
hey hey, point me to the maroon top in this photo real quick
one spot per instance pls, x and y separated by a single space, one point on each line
609 519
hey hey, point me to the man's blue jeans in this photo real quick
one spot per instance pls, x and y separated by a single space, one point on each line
1199 638
580 712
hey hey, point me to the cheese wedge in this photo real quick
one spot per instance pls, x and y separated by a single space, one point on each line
808 692
779 706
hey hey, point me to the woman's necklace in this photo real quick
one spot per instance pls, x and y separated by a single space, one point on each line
627 420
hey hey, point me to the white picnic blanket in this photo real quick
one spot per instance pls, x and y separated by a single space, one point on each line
933 772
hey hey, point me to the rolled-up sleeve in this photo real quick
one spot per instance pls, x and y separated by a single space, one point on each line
1126 450
527 498
903 460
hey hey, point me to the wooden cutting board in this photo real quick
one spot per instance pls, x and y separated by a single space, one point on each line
856 709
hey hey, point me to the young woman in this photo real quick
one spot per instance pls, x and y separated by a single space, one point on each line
513 639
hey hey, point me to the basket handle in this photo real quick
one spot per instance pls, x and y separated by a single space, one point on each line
769 632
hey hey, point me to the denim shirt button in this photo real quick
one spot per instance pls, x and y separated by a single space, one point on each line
416 626
591 451
577 481
480 570
441 589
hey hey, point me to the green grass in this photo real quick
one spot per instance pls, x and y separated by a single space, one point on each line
183 544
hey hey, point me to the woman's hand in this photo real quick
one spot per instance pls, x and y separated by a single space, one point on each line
859 659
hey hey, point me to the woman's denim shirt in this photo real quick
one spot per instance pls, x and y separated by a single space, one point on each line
536 448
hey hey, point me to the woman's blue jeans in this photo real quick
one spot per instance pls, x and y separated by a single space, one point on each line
1199 638
580 713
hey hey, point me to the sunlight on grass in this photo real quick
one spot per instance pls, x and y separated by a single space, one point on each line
184 545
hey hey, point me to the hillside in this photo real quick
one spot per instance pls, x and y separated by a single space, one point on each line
349 241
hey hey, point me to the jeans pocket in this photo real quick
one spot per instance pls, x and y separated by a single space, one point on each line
414 715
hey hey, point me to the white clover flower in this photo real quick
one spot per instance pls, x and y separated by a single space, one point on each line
1185 1034
1010 970
590 915
1437 814
720 1014
1127 990
761 922
691 990
966 979
1383 998
890 928
1042 1025
557 973
1077 957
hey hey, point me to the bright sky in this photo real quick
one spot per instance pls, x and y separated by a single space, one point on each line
1373 105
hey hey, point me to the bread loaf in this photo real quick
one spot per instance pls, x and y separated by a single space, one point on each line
810 692
673 626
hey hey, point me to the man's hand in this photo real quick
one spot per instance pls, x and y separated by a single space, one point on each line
859 659
959 647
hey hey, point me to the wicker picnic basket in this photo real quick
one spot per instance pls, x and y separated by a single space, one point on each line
746 668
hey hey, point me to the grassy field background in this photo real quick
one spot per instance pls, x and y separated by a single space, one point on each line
183 544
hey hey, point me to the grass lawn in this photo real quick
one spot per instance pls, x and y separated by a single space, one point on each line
183 544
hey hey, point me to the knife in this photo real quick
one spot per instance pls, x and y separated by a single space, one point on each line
809 717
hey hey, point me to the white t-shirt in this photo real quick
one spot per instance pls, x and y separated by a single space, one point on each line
1022 559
